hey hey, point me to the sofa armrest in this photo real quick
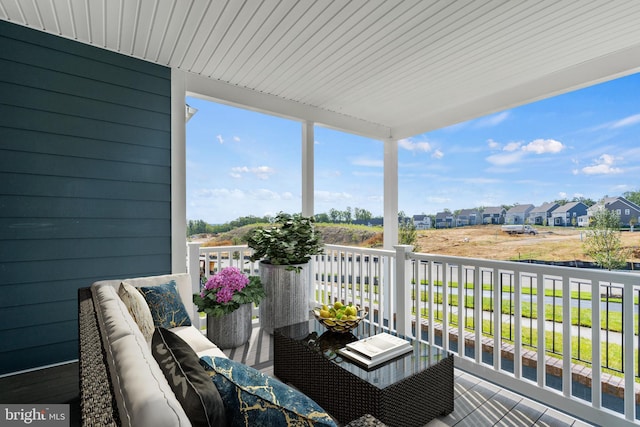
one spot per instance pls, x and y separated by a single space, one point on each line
97 402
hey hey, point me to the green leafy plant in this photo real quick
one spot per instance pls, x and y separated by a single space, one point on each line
227 290
603 242
291 240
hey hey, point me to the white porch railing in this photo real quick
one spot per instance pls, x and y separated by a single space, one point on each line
508 341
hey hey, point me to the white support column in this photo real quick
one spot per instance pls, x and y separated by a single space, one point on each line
308 140
402 298
390 193
178 173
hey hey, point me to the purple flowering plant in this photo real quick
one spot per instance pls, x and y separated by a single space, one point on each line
227 290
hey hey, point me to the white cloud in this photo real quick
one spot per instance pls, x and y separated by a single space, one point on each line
541 146
409 145
562 195
627 121
603 165
512 146
236 138
437 154
260 172
493 120
515 151
505 159
220 139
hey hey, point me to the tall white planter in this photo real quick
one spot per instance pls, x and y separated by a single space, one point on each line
287 296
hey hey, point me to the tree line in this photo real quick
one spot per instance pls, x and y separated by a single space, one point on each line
334 216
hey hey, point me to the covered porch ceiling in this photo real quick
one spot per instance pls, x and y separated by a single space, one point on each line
377 68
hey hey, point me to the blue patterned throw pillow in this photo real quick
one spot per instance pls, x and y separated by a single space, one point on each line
166 306
252 398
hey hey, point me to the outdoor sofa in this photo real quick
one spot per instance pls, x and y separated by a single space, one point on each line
134 375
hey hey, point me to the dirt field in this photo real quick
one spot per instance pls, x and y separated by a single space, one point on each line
489 242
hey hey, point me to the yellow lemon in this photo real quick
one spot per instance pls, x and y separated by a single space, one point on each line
325 313
338 305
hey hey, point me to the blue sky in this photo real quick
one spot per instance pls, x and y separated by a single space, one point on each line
582 144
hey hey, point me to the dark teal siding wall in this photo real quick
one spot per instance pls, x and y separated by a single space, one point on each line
85 184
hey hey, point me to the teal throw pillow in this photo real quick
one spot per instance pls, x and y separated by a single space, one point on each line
165 304
252 398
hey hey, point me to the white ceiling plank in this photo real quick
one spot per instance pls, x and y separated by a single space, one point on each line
234 40
30 14
79 15
202 31
113 26
230 18
129 14
95 22
64 17
175 29
146 21
191 35
250 43
14 12
283 31
48 16
160 29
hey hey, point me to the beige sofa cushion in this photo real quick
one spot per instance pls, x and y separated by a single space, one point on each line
138 308
198 342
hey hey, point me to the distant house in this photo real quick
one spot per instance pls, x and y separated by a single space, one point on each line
422 222
493 215
567 215
468 217
541 215
445 220
583 220
625 209
518 214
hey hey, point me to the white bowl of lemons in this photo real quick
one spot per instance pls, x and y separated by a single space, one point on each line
340 317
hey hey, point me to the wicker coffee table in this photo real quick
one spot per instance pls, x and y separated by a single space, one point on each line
407 391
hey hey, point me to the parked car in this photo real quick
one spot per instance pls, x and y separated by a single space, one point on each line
519 229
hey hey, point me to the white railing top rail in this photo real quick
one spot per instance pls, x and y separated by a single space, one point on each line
595 275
